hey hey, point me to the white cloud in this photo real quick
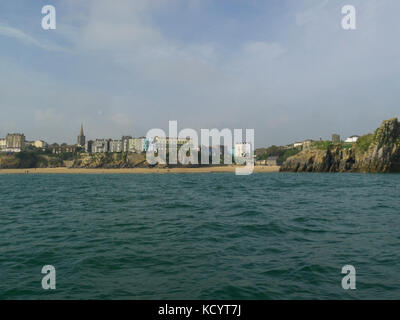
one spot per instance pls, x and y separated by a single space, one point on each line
290 84
11 32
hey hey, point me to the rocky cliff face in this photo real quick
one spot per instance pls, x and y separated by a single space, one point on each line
100 160
110 160
379 152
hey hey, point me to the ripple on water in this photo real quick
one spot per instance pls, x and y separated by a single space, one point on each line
200 236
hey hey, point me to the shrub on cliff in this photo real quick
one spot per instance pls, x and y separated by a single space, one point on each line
27 159
364 142
321 145
281 152
288 153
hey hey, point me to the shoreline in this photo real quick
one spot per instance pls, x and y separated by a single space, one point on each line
64 170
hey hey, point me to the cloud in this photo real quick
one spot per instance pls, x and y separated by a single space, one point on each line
24 38
291 82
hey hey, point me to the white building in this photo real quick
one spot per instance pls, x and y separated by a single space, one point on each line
166 143
242 150
115 146
3 144
40 144
352 139
138 145
100 145
305 143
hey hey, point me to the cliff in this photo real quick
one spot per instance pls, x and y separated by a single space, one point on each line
110 160
378 152
37 160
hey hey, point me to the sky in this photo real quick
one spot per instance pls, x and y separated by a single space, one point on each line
285 68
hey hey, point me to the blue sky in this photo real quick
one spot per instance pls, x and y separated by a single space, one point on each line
283 67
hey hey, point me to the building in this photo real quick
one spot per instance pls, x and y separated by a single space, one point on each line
125 143
242 150
272 161
15 142
63 148
167 143
307 143
40 144
101 146
303 144
88 146
81 138
335 138
3 144
115 146
215 154
28 144
352 139
138 145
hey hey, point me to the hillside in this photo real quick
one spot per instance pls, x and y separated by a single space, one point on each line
377 152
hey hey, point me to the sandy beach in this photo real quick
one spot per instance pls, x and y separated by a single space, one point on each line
133 170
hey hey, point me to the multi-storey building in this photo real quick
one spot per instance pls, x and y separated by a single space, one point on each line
125 143
168 143
63 148
3 144
101 145
88 146
138 145
40 144
115 145
15 142
242 150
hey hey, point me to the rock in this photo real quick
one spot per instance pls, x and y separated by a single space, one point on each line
110 160
382 154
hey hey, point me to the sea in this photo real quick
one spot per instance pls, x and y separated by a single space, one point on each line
200 236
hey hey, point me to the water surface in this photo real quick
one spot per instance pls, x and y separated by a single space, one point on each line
200 236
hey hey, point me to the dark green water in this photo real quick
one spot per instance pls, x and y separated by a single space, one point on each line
200 236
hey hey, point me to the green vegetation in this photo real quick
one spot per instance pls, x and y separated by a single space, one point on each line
30 159
55 161
326 144
282 152
27 159
346 145
288 153
363 143
269 152
321 145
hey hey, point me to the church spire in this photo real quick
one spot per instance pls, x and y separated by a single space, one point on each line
81 138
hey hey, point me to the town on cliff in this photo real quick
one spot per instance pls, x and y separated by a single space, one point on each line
373 152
